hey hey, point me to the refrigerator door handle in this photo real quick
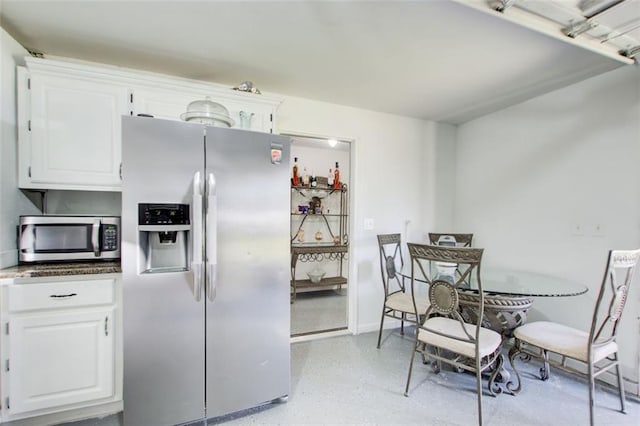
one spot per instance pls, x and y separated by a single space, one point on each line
196 256
212 237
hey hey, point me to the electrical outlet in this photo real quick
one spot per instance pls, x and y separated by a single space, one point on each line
368 224
598 230
577 229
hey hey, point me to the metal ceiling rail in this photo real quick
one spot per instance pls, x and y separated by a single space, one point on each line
509 10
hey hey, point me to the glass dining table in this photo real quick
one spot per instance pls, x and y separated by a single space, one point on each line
508 295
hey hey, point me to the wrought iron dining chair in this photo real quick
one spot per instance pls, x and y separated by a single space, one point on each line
460 240
597 348
398 304
449 269
445 336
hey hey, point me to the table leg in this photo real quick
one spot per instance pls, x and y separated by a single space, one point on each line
502 314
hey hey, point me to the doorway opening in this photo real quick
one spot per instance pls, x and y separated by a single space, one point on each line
320 209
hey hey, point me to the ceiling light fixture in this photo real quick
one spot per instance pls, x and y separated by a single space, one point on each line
631 52
332 142
503 5
579 27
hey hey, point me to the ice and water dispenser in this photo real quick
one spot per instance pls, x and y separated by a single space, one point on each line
164 231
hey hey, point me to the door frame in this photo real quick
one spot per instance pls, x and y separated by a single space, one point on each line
352 290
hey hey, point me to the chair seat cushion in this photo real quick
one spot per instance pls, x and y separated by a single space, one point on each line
562 339
402 302
489 340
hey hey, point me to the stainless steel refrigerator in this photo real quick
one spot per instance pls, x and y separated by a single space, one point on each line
205 258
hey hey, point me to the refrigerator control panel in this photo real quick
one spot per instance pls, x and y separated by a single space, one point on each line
163 214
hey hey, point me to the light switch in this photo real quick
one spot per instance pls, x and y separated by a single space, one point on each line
368 224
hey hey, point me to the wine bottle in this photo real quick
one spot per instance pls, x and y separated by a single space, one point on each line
305 177
296 178
336 177
330 178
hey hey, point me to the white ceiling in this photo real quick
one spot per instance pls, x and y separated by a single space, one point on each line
443 60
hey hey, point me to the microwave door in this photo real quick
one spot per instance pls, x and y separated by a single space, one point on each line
70 241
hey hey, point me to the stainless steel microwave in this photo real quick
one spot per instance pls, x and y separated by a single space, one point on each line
68 238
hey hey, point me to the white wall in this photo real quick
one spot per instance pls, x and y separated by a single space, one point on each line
439 179
13 203
529 175
392 160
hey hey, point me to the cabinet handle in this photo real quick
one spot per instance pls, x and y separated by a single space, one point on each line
106 326
62 296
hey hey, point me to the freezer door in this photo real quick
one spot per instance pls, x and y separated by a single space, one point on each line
164 362
247 307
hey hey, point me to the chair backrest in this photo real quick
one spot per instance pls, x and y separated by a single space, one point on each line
443 294
618 275
460 240
391 262
449 240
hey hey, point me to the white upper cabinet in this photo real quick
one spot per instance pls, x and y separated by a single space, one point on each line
249 114
70 118
72 135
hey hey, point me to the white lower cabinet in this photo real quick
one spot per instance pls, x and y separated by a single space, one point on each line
61 347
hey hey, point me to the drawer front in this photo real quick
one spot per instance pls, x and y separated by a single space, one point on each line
54 295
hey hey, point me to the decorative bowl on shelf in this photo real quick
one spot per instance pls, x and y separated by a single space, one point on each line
316 275
208 112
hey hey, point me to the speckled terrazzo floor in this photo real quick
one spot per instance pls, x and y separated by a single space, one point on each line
318 311
346 380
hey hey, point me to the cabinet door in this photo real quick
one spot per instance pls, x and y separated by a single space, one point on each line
60 358
75 133
249 114
161 103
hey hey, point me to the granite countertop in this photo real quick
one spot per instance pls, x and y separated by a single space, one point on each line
60 269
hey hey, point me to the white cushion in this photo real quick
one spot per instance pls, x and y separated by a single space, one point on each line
403 302
489 340
562 339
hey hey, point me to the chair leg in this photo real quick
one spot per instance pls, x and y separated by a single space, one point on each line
544 370
381 324
592 388
423 352
402 318
620 384
413 355
479 390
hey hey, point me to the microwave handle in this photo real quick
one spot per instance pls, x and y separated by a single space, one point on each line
95 235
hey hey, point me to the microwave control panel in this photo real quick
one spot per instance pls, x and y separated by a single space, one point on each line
109 237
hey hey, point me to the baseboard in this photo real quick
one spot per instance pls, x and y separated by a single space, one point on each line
96 411
609 377
389 323
321 335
